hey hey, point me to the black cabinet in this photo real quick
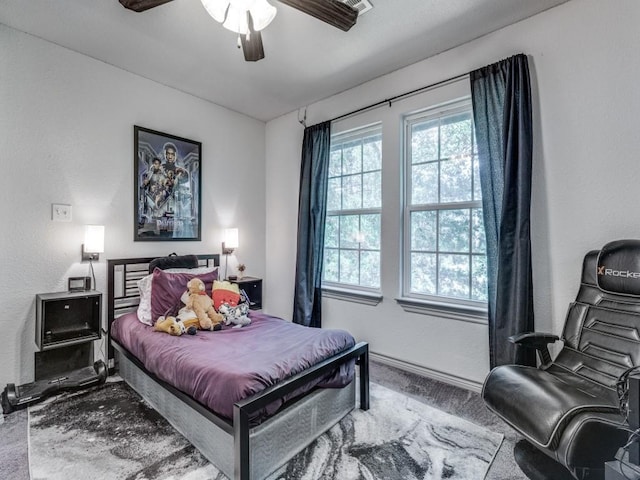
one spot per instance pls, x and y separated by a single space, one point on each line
64 318
253 288
67 323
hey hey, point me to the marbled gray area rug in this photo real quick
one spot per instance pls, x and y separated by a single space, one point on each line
109 432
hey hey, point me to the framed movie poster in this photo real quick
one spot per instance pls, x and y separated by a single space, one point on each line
167 177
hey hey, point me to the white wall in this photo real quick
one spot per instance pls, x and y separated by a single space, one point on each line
66 124
584 65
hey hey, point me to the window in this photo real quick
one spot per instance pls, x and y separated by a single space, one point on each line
444 242
352 228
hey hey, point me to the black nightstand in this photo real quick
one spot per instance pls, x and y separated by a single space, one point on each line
67 323
253 288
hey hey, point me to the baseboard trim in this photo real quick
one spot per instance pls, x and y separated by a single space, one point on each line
427 372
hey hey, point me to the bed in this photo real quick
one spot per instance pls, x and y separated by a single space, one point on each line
259 432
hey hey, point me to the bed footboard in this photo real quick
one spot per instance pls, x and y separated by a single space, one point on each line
242 410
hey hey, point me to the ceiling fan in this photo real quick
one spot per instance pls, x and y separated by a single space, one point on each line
245 18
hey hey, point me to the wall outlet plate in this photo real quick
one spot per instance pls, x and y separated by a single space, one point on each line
60 212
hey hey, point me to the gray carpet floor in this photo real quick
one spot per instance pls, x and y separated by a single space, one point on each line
14 463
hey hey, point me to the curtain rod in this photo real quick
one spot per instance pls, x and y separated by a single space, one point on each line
401 96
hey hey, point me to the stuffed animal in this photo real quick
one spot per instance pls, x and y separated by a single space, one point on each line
225 292
236 315
176 327
201 304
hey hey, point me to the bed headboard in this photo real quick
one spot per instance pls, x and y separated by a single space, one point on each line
122 289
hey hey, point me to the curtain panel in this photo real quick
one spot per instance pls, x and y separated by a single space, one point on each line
501 97
312 209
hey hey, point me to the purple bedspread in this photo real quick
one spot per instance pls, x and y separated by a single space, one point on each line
220 368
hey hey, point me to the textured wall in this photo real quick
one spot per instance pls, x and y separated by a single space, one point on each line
584 69
66 124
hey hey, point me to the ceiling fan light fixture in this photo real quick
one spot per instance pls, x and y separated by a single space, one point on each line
262 13
216 8
233 13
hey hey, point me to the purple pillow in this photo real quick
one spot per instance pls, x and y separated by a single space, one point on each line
169 287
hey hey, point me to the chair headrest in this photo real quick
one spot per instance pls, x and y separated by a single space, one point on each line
618 267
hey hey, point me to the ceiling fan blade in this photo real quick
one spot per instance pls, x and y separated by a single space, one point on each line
142 5
333 12
252 43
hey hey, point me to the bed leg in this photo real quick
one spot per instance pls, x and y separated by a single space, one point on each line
363 361
241 443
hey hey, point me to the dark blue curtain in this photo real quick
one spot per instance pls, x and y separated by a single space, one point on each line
501 95
312 208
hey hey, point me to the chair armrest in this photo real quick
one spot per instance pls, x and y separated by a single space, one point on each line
536 340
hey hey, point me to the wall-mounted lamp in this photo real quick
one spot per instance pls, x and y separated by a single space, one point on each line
93 244
230 241
228 246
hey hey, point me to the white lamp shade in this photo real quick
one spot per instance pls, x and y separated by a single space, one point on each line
231 238
216 8
94 238
262 13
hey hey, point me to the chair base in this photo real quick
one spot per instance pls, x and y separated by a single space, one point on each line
536 465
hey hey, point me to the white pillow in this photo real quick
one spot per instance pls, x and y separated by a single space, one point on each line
145 284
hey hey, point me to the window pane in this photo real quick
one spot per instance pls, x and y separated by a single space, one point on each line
352 192
424 183
455 136
479 278
330 268
349 267
454 231
370 231
446 246
334 190
370 269
372 153
349 231
351 158
371 190
424 142
352 233
424 231
423 273
331 231
453 276
478 243
335 162
455 180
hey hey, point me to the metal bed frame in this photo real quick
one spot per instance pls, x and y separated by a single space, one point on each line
123 297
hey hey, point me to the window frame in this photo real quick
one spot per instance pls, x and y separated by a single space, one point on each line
458 308
349 291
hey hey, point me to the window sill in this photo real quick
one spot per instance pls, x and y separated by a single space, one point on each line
446 310
366 298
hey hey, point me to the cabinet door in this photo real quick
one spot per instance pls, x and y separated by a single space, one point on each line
253 289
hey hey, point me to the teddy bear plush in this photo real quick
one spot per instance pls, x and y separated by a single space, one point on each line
176 327
202 305
236 315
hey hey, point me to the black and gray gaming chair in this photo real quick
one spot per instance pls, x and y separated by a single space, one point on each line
569 407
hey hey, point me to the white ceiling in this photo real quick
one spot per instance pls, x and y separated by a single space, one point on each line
179 45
